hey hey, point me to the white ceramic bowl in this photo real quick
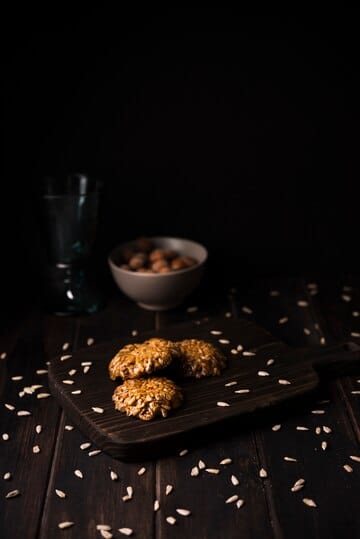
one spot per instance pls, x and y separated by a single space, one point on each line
160 291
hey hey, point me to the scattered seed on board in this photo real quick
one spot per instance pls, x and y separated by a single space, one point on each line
36 449
222 404
214 471
322 340
263 373
72 372
106 534
348 468
97 409
126 531
41 371
284 382
303 303
309 502
76 392
228 314
355 458
225 461
246 310
90 341
60 493
234 351
232 499
12 494
86 369
9 406
183 512
168 489
5 436
248 354
274 293
65 357
324 445
355 334
242 391
86 363
298 485
65 525
234 480
239 348
318 430
270 362
355 392
240 503
156 505
276 427
21 413
16 378
134 332
192 309
346 297
290 459
43 395
78 473
85 445
171 520
105 527
65 346
355 314
283 320
201 465
114 476
307 331
142 471
69 427
229 384
215 332
224 341
3 355
299 427
94 452
318 412
326 429
7 475
68 382
263 473
183 452
194 471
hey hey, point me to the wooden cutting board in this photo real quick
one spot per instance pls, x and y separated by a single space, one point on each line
130 438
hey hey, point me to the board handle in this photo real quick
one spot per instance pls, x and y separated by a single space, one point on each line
336 360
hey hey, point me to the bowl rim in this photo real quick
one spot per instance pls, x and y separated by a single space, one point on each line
152 275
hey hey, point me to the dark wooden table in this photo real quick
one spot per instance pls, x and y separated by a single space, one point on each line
42 450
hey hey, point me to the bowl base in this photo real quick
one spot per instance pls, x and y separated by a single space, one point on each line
150 307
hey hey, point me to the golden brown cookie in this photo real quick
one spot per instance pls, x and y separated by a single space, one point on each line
199 358
135 360
147 398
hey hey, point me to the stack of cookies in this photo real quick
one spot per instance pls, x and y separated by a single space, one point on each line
146 396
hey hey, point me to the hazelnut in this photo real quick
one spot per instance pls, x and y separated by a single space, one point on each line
137 261
178 263
158 265
156 254
144 244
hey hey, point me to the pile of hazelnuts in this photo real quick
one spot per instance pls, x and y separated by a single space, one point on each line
144 257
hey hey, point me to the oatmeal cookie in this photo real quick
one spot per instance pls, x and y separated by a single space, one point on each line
135 360
147 398
199 358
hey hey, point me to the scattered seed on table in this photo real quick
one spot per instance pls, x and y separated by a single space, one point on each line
225 461
222 403
348 468
90 341
72 372
69 427
346 298
28 390
36 449
355 334
229 384
5 436
263 473
41 371
215 332
307 331
234 480
232 499
60 493
183 512
114 476
16 378
43 395
248 354
283 320
276 427
126 531
94 452
263 373
7 476
142 471
86 369
326 429
318 412
239 348
97 409
234 351
309 502
65 525
78 473
302 303
270 362
194 471
85 445
242 391
65 346
298 485
9 406
214 471
130 491
68 382
21 393
76 392
284 382
12 494
355 458
106 534
201 465
246 310
168 489
323 445
105 527
171 520
240 503
134 332
355 392
183 452
156 505
3 355
22 413
274 293
224 341
290 459
65 357
322 340
86 363
299 427
356 313
192 309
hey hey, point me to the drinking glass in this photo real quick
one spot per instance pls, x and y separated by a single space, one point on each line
69 212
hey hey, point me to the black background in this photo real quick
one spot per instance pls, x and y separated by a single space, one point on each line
239 131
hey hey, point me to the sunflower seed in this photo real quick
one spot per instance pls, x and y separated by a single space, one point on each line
246 310
240 503
283 320
21 413
263 473
12 494
355 334
21 393
114 476
234 480
194 471
90 341
156 505
183 452
214 471
318 430
263 373
3 355
183 512
171 520
16 378
248 354
86 363
215 332
290 459
65 346
9 406
142 471
222 404
5 436
323 445
94 452
192 309
318 412
86 369
307 331
68 382
229 384
232 499
97 409
346 297
36 449
327 429
126 531
274 293
60 493
239 348
78 473
270 362
228 315
43 395
355 392
299 427
66 524
347 468
85 445
28 390
106 534
225 461
105 527
168 489
69 427
276 427
41 371
284 382
309 502
234 351
297 488
72 372
7 475
303 303
322 340
224 341
76 392
241 391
